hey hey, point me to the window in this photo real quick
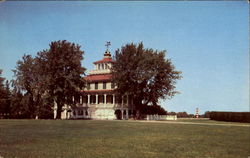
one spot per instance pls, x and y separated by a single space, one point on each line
88 86
104 85
96 85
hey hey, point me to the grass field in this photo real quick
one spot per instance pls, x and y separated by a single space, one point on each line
116 139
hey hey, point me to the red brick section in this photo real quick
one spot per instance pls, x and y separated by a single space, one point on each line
104 60
93 78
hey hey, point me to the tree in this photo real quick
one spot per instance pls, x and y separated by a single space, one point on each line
62 69
53 76
191 116
207 114
2 90
5 97
171 113
154 109
144 74
182 114
18 110
28 76
1 84
2 94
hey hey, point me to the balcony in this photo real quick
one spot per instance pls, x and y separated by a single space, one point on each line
104 71
102 105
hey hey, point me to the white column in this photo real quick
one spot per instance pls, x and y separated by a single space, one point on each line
113 99
88 99
122 114
80 99
96 98
55 109
105 99
67 114
89 114
126 113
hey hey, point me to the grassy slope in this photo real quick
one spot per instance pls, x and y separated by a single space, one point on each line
81 138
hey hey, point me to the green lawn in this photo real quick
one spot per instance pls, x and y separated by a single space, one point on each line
114 139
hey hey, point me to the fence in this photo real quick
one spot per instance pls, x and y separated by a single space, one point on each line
161 117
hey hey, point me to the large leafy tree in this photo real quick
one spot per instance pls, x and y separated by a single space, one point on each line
18 108
28 76
145 74
5 97
53 76
63 70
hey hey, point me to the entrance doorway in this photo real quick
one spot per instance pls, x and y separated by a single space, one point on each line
118 114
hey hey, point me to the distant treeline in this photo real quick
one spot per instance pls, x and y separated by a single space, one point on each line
229 116
217 115
183 114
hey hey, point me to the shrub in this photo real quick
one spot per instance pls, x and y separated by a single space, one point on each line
230 116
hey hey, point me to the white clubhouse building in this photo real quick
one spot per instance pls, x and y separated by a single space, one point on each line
97 100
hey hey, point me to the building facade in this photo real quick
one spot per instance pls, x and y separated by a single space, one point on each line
97 100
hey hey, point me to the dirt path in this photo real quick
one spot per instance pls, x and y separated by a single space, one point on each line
196 123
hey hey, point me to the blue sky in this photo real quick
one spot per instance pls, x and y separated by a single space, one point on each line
207 41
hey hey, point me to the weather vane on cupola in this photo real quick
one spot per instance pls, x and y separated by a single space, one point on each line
107 45
107 53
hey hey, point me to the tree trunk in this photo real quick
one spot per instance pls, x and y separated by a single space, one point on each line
138 106
32 109
58 111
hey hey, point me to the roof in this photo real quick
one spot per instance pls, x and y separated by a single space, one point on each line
101 77
104 60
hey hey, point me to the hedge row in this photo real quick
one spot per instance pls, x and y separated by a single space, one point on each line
230 116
